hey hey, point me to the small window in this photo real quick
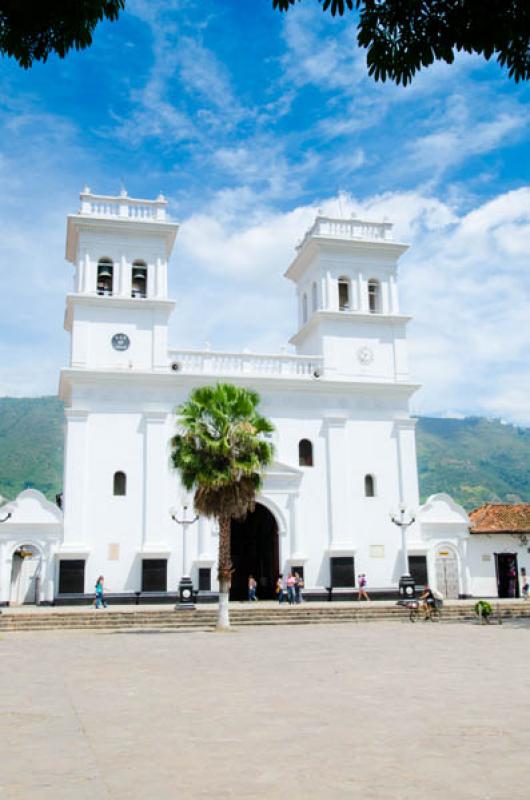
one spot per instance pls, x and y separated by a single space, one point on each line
314 297
374 298
342 571
154 575
304 309
344 294
120 484
105 276
305 453
369 486
205 579
72 576
139 279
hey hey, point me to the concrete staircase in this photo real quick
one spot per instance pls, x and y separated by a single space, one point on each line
204 618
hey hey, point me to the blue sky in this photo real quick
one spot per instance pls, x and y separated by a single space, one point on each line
250 121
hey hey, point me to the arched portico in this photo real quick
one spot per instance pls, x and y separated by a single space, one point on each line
28 543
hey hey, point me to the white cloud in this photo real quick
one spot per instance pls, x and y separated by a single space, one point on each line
463 281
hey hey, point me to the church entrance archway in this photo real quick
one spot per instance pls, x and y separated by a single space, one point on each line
255 551
25 575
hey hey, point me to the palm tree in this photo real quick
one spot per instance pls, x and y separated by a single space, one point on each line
220 453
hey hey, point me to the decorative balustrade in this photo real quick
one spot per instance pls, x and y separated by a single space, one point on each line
123 207
207 362
349 229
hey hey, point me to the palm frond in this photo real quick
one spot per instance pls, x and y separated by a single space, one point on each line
219 449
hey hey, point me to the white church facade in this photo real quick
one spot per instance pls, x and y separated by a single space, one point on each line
344 440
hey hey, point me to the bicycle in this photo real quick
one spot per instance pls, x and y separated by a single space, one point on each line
429 612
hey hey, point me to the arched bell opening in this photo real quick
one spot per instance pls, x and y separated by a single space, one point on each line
139 279
105 276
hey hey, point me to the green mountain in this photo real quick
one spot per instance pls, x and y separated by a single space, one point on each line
475 460
31 445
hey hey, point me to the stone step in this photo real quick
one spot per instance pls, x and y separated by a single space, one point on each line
190 620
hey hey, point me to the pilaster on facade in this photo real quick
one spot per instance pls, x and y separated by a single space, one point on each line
404 432
203 557
337 478
155 489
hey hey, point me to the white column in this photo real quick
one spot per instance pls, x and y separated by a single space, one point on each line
292 524
79 275
337 478
75 476
155 498
5 572
363 293
201 536
385 297
48 578
407 465
121 283
354 294
332 296
151 282
160 279
394 300
86 283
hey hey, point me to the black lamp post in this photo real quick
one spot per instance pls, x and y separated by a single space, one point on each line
8 515
406 582
185 600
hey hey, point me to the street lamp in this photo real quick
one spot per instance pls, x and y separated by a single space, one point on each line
406 582
185 583
8 515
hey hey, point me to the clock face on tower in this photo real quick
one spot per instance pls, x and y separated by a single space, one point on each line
120 341
365 355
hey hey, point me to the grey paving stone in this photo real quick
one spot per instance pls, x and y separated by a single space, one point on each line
343 711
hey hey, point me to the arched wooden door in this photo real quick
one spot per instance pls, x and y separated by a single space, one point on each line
447 572
25 575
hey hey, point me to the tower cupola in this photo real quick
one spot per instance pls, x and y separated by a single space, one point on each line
345 273
118 311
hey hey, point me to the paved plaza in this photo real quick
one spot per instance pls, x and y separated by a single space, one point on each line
380 710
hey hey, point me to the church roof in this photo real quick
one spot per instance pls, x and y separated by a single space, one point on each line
500 518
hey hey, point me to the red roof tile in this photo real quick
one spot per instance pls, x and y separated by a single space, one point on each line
500 518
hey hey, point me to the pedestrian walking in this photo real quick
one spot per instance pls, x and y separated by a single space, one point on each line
291 581
298 586
279 589
363 583
252 586
99 599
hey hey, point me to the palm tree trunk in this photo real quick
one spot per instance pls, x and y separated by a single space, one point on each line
224 572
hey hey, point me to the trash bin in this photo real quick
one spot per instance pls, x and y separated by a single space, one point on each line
407 589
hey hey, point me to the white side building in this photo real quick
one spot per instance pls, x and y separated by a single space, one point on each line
344 440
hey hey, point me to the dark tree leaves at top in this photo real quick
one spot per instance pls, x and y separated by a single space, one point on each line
402 36
32 31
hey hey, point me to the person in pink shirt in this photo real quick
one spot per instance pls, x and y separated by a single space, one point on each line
291 581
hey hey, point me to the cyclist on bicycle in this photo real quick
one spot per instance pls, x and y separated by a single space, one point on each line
427 600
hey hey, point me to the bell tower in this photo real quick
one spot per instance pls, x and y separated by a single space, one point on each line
118 312
345 272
